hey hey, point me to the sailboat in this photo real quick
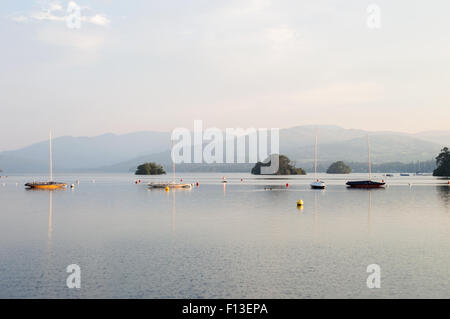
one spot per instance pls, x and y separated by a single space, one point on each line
369 183
173 184
50 184
317 184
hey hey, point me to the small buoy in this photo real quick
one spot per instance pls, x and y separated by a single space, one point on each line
287 185
197 184
135 182
72 186
139 181
167 188
300 202
181 179
242 179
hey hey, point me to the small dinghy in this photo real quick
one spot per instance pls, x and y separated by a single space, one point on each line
318 185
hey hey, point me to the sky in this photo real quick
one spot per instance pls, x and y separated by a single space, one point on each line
157 65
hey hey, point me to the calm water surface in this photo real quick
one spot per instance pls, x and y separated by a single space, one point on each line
233 240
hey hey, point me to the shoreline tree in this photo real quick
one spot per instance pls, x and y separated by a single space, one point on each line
443 163
339 168
149 169
285 167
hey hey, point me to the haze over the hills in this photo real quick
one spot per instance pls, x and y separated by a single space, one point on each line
120 153
156 65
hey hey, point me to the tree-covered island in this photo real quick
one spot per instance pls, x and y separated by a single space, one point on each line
150 169
339 168
285 167
443 163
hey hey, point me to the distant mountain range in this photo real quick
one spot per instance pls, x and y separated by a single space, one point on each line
122 153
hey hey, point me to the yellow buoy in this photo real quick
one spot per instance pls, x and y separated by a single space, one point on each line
299 202
167 188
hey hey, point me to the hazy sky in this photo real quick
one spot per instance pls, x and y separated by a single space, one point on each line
157 65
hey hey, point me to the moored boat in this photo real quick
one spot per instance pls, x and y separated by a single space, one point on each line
368 183
45 185
365 184
317 184
173 184
50 185
169 185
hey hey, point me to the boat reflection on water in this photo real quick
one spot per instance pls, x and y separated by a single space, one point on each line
369 215
50 209
173 211
315 214
444 195
50 218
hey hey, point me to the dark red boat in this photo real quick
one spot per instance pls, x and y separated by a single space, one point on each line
365 184
368 183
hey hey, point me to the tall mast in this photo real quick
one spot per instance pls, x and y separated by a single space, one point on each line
51 157
173 166
315 158
370 164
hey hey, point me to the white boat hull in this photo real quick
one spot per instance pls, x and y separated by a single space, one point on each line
318 185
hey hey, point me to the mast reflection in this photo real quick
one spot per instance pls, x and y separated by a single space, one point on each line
444 195
316 214
173 211
50 218
369 215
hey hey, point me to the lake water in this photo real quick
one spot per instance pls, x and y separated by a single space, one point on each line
234 240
